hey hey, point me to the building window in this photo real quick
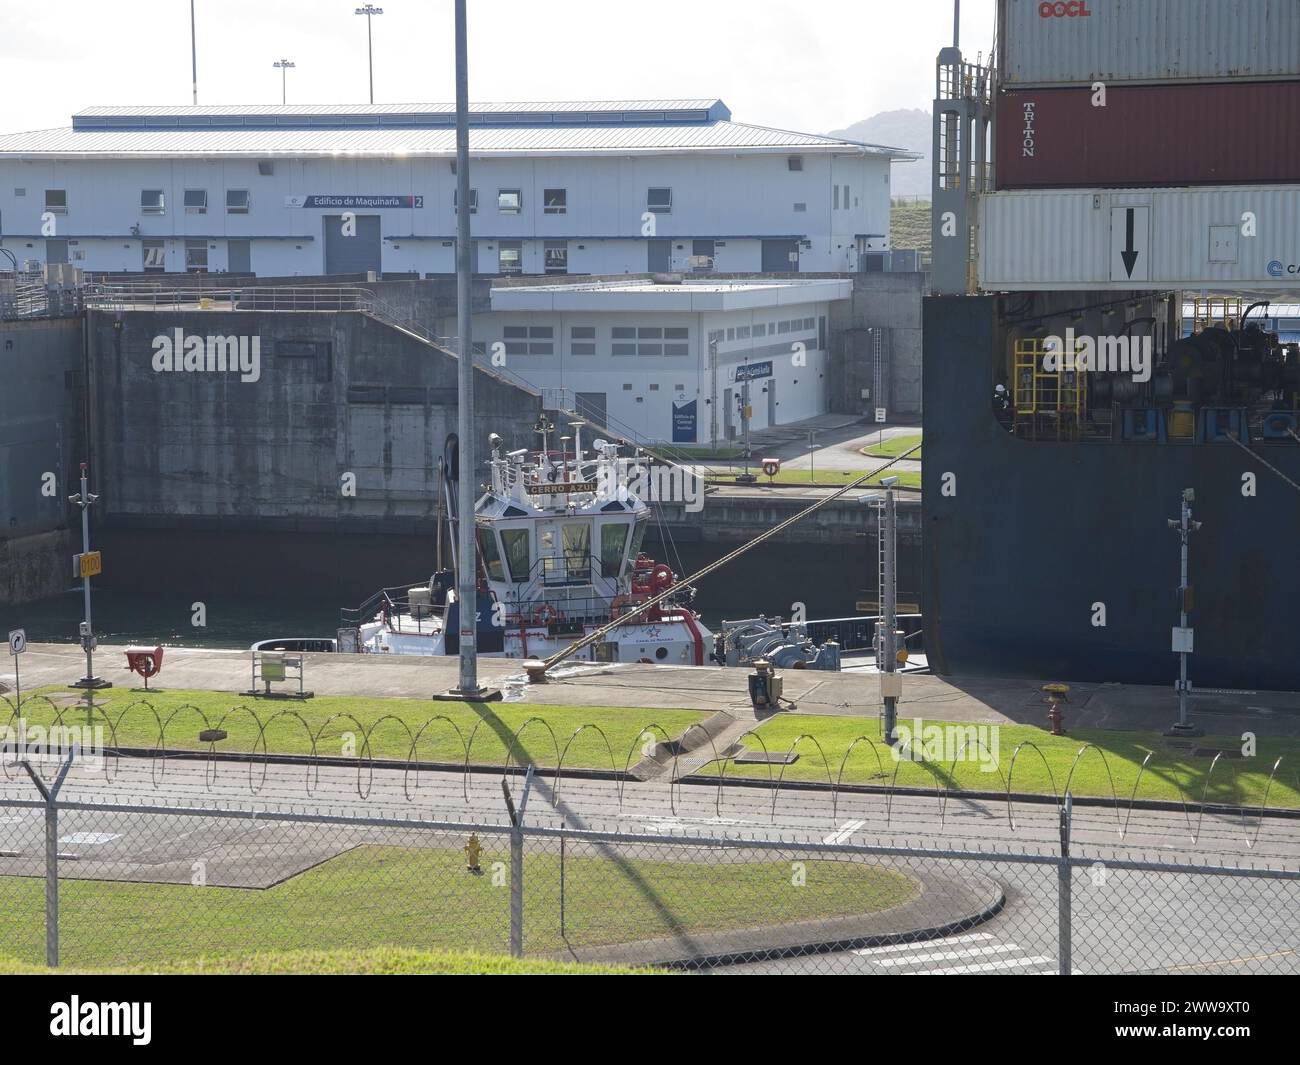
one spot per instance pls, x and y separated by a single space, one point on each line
659 201
582 339
196 201
196 256
680 334
56 201
794 162
152 201
622 334
760 330
154 256
510 201
800 208
237 201
848 202
529 339
556 257
510 257
555 201
473 200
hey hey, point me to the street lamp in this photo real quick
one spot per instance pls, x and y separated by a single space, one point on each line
283 66
1184 526
370 10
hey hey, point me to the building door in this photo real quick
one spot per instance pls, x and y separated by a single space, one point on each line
357 253
239 256
56 251
154 256
591 405
780 256
702 250
659 256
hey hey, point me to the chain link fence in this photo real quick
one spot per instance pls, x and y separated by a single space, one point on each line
100 885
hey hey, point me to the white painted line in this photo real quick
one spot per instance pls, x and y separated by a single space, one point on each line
990 966
846 830
926 944
952 955
89 839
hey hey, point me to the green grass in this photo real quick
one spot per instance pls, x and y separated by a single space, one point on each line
823 477
909 226
894 446
396 728
422 898
378 961
1042 768
699 454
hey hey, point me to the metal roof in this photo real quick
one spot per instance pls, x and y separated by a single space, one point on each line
578 128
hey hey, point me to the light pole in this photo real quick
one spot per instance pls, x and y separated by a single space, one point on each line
194 56
812 456
468 687
1182 637
369 11
283 66
85 501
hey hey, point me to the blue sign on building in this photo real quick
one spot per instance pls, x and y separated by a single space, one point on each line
684 422
349 202
752 371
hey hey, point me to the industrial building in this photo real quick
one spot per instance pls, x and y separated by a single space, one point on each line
597 187
686 361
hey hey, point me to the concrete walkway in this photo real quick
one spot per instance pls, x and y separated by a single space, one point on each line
709 689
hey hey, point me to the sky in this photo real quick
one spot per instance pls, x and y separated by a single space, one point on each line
806 65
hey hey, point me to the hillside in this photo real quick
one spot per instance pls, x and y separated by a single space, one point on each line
910 129
909 226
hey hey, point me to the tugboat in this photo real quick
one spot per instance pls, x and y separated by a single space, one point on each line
558 556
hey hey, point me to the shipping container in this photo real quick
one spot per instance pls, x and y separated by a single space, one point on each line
1243 237
1073 42
1221 133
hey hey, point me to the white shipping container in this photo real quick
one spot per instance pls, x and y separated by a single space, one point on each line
1214 237
1078 42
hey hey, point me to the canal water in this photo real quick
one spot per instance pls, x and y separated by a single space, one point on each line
254 586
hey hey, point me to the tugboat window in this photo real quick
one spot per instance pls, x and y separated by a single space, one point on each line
515 542
612 538
487 546
638 534
577 550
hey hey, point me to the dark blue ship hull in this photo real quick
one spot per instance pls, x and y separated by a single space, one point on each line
1038 533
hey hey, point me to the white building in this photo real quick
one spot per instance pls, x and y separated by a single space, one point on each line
663 362
578 188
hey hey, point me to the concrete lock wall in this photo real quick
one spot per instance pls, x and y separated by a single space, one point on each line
336 394
891 304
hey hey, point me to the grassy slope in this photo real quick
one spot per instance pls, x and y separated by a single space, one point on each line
341 725
893 447
1043 767
422 898
909 226
838 478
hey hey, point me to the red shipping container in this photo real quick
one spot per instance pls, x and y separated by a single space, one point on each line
1204 134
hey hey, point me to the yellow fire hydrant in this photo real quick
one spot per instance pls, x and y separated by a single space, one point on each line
473 851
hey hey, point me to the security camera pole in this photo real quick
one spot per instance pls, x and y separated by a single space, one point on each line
85 501
888 608
467 571
1182 636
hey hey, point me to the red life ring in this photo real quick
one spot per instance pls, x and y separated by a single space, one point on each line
545 615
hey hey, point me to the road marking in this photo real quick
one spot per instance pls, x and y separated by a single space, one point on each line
845 831
989 966
924 944
89 839
952 955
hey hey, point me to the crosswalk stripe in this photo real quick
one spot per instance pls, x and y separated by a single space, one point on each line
988 966
974 937
951 955
845 831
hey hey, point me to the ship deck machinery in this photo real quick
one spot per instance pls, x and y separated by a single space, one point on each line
1046 545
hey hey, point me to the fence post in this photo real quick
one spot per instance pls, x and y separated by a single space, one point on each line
51 796
562 936
517 863
1064 889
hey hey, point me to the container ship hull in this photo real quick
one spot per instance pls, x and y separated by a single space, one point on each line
1030 545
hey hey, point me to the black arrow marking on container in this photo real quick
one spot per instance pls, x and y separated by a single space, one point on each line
1129 254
